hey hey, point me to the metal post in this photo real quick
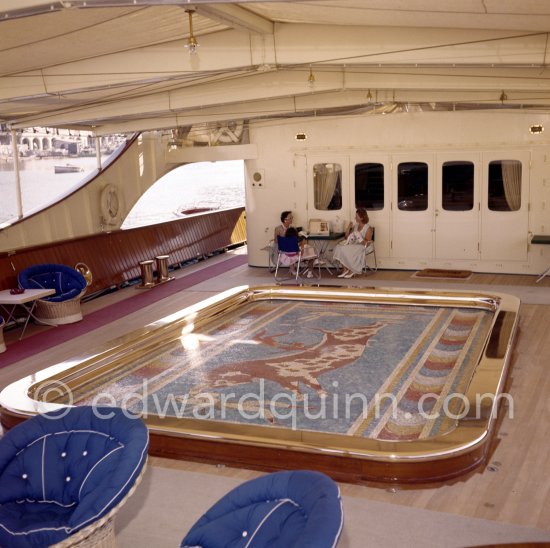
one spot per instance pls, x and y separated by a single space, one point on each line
18 195
97 151
162 268
146 274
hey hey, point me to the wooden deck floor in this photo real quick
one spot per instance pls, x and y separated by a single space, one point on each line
513 488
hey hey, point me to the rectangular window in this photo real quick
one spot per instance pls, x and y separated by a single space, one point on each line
504 185
457 186
327 186
412 186
369 186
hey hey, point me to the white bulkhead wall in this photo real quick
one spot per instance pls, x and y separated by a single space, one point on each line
479 240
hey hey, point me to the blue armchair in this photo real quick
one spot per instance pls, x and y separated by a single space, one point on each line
298 509
64 475
69 284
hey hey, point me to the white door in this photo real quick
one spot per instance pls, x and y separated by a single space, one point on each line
371 189
457 206
412 206
504 206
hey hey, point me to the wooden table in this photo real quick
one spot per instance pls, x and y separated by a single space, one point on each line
25 301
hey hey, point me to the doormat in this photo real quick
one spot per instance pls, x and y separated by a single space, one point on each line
443 273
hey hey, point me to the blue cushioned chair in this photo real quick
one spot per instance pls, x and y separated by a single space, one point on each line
64 474
300 509
289 255
69 284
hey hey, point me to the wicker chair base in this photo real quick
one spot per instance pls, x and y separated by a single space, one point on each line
63 312
101 533
93 536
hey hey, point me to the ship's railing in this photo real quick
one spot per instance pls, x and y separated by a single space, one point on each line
113 258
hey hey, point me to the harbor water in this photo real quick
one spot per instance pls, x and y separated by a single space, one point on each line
212 185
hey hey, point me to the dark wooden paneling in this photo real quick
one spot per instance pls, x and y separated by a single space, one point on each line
345 468
114 257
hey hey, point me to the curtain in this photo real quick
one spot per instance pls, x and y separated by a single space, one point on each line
325 177
511 180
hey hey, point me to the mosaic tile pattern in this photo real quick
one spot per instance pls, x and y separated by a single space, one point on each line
370 370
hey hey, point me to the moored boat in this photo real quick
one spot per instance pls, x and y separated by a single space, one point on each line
194 210
68 168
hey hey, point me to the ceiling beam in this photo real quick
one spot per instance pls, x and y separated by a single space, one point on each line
163 80
237 17
320 104
295 47
231 98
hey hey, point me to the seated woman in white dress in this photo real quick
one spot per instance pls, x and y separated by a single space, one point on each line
351 252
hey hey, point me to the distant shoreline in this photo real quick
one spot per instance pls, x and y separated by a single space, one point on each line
211 186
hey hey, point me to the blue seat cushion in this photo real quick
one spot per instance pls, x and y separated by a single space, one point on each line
60 473
292 509
67 282
25 516
288 244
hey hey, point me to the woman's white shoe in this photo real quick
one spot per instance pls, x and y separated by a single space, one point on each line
344 274
349 275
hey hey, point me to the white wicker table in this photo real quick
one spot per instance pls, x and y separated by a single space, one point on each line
25 301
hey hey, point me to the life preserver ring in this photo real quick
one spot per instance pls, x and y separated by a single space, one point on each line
110 204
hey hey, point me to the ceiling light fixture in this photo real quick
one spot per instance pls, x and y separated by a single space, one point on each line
192 43
311 78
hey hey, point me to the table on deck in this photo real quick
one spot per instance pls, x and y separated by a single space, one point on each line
321 243
26 301
541 239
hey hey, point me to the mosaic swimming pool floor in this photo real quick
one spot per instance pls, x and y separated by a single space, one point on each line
378 371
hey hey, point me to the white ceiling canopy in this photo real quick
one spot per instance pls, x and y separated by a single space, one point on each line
122 65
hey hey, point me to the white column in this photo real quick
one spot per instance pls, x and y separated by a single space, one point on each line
97 152
15 153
